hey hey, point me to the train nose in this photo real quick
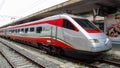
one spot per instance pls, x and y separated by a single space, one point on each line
101 45
108 43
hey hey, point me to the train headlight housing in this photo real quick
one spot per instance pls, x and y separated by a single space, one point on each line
107 40
94 40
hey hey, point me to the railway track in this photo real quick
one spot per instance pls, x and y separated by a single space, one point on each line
3 62
15 59
113 62
99 63
106 61
68 62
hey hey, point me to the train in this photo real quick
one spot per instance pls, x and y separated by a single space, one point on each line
61 33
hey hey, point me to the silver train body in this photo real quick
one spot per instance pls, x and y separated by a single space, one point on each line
64 30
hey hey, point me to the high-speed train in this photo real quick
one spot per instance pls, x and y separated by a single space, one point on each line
60 33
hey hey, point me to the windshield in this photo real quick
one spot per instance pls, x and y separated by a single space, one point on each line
85 24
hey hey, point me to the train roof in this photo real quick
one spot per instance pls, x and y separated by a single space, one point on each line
63 16
48 18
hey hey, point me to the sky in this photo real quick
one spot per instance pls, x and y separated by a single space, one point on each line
11 10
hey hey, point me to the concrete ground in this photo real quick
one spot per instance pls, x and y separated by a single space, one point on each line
116 47
115 50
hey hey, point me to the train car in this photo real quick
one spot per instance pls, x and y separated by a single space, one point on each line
61 33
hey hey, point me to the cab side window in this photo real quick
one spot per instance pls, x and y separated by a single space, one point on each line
67 24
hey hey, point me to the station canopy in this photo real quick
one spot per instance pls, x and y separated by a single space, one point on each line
76 7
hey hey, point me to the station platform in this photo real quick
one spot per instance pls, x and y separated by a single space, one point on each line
115 51
115 40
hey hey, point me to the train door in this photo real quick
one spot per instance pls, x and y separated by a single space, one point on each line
56 32
53 35
56 37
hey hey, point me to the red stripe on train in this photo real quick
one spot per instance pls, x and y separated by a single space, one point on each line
94 31
53 42
57 22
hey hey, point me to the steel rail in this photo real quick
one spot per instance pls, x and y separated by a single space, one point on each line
110 62
7 59
12 65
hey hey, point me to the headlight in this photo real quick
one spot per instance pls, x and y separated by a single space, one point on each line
94 40
106 41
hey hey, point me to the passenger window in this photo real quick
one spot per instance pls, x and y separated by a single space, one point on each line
15 30
9 31
22 30
68 25
38 29
32 29
12 31
26 30
18 30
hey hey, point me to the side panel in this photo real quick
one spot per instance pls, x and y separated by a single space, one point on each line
103 44
46 33
57 33
76 39
60 35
